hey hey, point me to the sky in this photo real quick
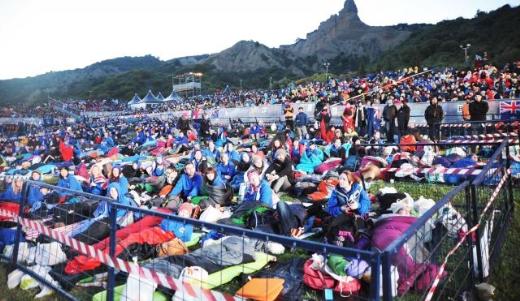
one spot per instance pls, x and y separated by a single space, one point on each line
39 36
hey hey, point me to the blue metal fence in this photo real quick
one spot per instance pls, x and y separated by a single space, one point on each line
467 267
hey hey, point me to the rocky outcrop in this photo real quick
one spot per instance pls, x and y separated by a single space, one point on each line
345 34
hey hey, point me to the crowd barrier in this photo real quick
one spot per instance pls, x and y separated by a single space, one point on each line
113 256
461 235
452 112
461 253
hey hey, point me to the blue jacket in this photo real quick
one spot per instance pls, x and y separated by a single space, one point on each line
190 187
102 208
214 155
181 140
123 184
301 119
71 183
264 195
183 231
226 170
340 197
10 195
234 156
35 195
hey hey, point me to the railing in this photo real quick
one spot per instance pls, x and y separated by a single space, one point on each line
117 261
449 260
461 234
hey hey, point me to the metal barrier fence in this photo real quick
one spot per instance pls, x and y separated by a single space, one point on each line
88 255
453 246
126 262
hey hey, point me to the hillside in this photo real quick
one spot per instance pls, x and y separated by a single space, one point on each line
438 45
343 40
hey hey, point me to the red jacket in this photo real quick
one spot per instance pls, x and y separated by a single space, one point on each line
66 151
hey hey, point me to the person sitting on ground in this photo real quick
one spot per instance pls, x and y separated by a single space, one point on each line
97 181
258 164
311 157
373 149
199 161
219 193
275 146
255 151
14 191
258 190
241 168
337 150
225 168
187 187
118 177
280 173
229 149
68 181
211 153
296 151
35 195
348 197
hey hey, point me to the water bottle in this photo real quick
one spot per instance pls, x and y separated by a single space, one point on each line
242 192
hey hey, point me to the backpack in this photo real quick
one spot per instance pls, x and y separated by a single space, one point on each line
171 248
318 280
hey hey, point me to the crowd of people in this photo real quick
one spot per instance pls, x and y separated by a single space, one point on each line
241 175
408 85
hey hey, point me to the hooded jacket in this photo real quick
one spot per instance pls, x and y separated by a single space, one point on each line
340 197
264 194
71 183
190 187
102 209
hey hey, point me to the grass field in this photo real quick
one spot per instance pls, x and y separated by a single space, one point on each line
505 277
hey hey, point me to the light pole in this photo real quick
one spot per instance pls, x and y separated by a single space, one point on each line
270 83
326 65
465 52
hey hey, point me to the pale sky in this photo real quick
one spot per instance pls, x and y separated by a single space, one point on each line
38 36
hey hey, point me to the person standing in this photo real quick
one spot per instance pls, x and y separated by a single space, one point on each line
324 119
301 121
184 124
360 120
288 112
403 118
434 115
478 111
389 115
205 127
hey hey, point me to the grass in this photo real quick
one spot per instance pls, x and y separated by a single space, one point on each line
505 274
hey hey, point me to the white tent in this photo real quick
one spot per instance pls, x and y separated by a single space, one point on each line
173 97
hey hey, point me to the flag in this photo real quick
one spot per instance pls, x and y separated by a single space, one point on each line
509 110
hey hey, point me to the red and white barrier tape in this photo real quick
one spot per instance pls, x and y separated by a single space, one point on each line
445 125
117 263
487 140
437 279
440 170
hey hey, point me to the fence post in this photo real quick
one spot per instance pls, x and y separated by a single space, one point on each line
387 276
474 220
469 240
376 277
111 251
23 201
511 204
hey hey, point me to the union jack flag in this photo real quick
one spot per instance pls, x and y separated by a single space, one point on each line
509 109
